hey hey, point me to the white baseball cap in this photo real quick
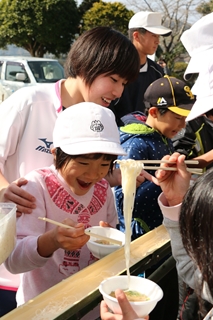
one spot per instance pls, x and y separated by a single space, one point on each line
203 89
198 41
87 128
150 21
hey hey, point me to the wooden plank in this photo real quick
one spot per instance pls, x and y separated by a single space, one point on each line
66 294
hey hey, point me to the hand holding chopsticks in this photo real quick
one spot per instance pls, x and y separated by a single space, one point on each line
97 236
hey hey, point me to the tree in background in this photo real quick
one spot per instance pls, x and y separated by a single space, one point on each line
205 7
85 6
114 15
39 26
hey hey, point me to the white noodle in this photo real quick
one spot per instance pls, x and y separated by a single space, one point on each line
130 169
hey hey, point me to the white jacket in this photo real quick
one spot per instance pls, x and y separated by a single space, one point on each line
27 119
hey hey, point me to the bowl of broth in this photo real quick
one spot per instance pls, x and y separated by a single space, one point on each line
143 294
100 247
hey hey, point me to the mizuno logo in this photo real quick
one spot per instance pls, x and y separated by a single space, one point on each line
45 148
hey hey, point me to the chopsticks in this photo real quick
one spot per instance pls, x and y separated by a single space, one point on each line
194 170
167 161
91 234
59 224
98 236
191 170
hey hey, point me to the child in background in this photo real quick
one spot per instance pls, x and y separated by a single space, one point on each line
71 191
170 102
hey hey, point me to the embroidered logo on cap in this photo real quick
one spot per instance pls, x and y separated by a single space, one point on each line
161 102
97 126
188 92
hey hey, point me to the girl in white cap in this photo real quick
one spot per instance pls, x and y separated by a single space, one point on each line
72 191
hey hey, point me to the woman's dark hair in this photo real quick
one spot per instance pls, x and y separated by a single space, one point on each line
196 226
62 158
102 50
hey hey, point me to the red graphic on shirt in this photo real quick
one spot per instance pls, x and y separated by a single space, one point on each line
67 203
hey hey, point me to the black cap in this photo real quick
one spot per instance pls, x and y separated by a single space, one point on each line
172 93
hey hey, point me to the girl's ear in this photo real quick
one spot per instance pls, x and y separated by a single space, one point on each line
153 112
53 153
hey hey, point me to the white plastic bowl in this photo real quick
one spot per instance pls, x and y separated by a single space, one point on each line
101 250
142 285
8 229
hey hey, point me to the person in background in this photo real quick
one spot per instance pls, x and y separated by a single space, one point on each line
198 42
100 63
170 101
145 29
163 64
196 138
72 191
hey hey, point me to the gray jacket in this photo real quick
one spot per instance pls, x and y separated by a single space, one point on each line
186 268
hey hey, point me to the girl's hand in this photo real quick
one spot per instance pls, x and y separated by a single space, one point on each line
127 312
174 184
105 224
68 239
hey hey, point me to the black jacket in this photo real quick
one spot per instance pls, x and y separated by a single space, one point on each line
196 139
132 98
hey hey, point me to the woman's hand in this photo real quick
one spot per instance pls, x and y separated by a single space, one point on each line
24 201
127 312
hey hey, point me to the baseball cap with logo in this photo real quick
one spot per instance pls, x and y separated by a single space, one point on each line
198 41
151 21
87 128
171 93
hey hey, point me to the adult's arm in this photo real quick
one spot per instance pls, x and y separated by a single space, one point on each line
11 130
185 266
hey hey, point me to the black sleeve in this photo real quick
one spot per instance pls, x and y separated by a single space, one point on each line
185 142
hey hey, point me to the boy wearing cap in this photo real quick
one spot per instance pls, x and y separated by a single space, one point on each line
170 102
71 191
145 29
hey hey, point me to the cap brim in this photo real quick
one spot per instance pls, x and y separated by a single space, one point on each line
181 110
201 106
160 30
195 65
192 68
86 147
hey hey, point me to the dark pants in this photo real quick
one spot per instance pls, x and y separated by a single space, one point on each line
7 301
167 308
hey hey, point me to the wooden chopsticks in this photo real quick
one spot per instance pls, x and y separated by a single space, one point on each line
167 161
191 170
194 170
91 234
98 236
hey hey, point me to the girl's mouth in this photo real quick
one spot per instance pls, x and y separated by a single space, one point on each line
83 184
